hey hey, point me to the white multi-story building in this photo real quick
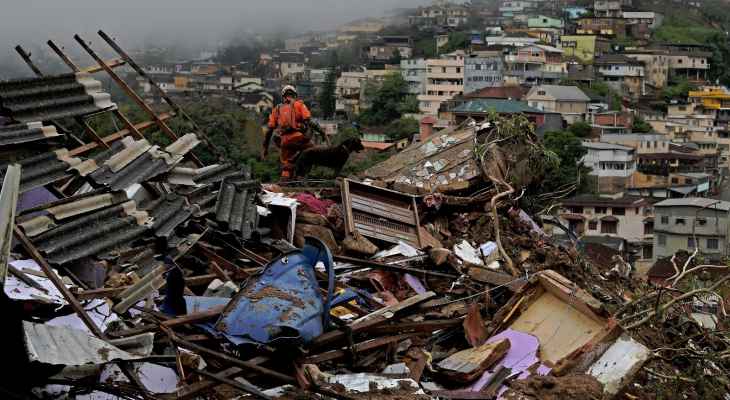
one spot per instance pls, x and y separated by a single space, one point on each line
622 217
483 71
348 90
444 80
414 72
611 164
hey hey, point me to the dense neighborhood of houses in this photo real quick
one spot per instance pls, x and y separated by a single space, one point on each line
544 59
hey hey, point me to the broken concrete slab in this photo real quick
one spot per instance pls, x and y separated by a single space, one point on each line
619 363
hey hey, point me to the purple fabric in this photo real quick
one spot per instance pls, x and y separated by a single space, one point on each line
34 198
522 354
414 283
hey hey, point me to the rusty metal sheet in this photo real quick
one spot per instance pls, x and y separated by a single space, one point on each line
381 214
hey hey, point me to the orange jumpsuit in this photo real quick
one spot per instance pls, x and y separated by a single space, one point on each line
289 119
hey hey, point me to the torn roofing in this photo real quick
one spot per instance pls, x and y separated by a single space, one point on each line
42 169
86 227
52 97
61 345
24 133
236 206
444 160
218 173
135 161
168 213
95 225
206 175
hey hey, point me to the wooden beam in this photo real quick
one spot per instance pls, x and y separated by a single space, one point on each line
358 347
201 134
247 365
133 95
57 282
118 135
195 317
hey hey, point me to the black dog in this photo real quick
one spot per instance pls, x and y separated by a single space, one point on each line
334 157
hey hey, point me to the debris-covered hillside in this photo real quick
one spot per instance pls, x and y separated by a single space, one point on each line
134 271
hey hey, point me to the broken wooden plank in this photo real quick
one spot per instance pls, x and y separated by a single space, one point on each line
376 318
247 365
358 347
195 317
468 365
394 268
495 278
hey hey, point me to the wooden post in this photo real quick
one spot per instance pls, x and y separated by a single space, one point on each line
116 112
161 92
134 96
57 282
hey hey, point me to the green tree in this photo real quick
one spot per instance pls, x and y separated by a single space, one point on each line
327 97
580 129
402 128
457 41
641 126
568 149
386 100
396 57
680 89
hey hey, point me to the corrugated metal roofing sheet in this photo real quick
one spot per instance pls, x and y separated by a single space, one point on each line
135 161
52 97
60 345
168 213
43 169
95 225
24 133
236 206
220 172
86 227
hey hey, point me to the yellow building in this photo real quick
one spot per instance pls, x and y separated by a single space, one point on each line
582 47
711 98
181 82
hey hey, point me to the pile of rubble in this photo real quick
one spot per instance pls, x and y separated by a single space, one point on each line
424 278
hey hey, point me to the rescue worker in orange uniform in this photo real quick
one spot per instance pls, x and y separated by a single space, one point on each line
292 121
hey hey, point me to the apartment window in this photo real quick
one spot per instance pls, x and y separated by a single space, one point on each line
648 228
443 70
458 70
618 211
701 221
592 225
662 240
576 210
601 210
713 244
690 243
609 227
541 92
647 252
680 221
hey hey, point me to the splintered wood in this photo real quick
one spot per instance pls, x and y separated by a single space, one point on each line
468 365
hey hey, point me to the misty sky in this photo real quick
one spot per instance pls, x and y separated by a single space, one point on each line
193 22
